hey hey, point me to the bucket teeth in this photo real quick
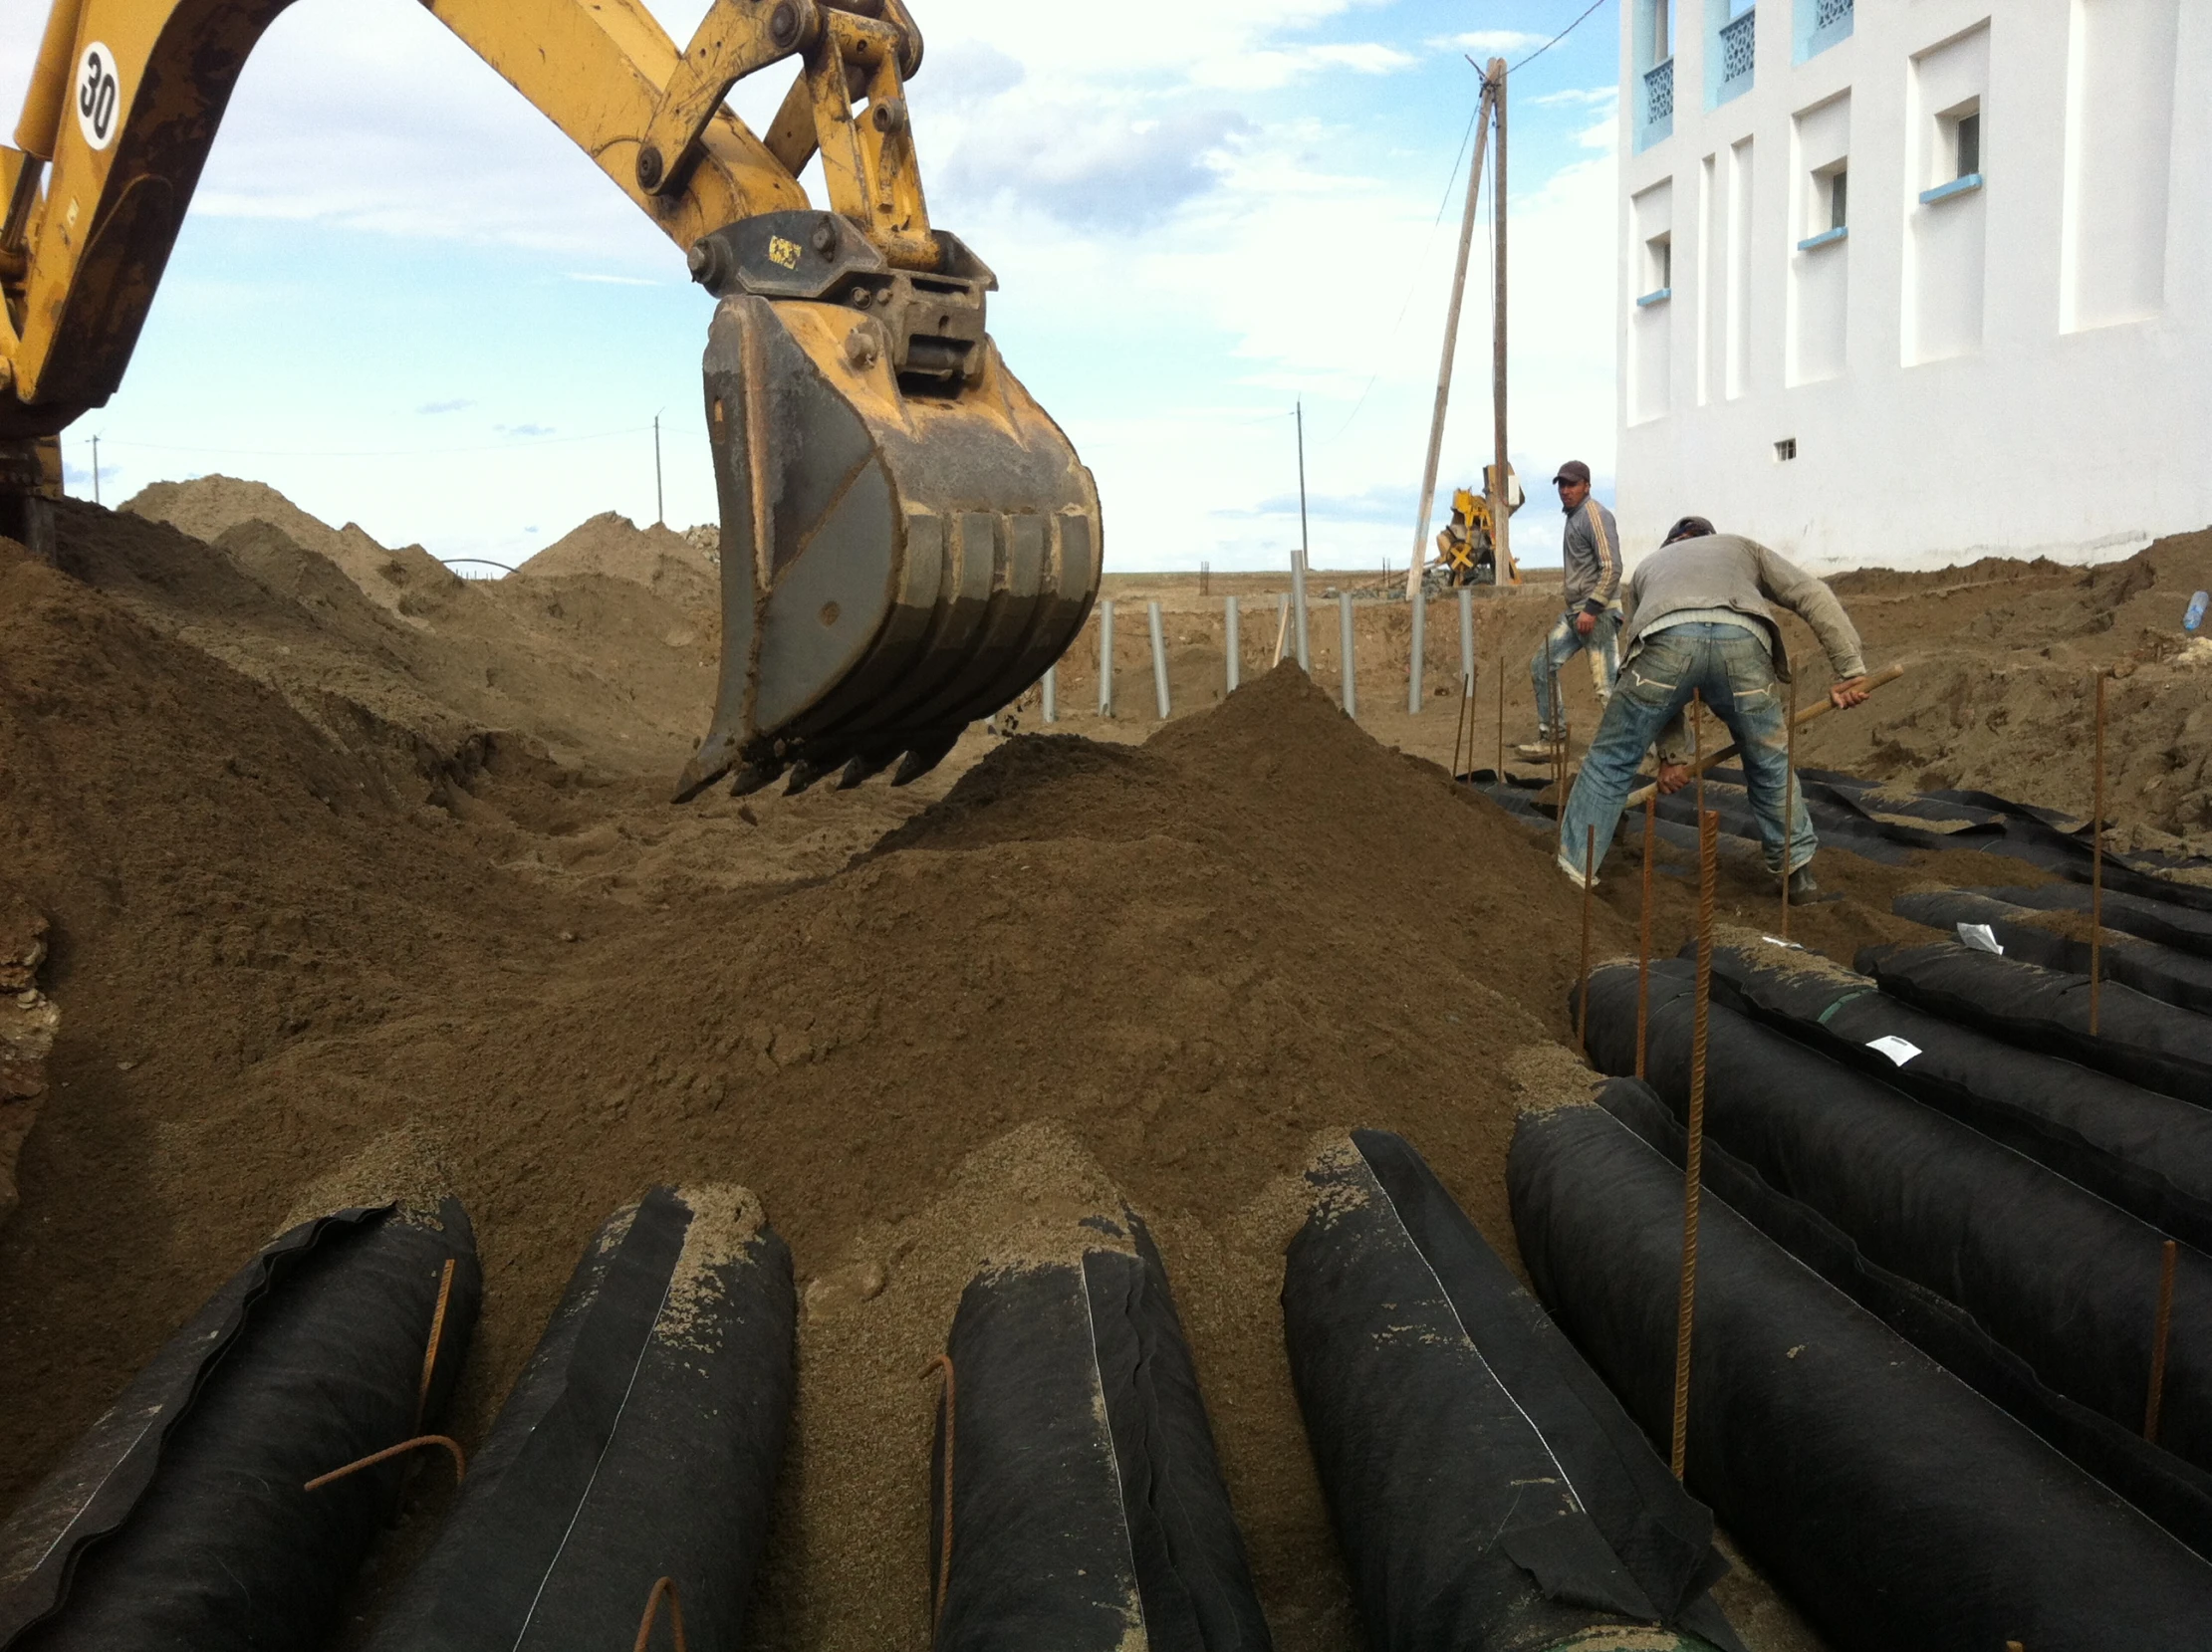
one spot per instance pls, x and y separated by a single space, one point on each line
863 767
752 775
803 774
896 562
924 756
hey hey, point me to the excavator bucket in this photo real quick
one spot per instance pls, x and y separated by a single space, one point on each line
909 541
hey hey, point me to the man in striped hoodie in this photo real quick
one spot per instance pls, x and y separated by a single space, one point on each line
1590 555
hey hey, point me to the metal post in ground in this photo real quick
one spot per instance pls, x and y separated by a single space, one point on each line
2096 865
1502 672
1231 643
2161 1330
1159 659
1418 599
1708 875
1344 646
1644 939
1105 656
1050 686
1466 640
1589 881
1789 806
1298 563
1300 642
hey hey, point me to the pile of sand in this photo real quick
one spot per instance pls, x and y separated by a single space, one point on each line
682 568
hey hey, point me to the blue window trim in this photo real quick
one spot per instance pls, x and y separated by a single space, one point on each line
1948 191
1658 295
1827 238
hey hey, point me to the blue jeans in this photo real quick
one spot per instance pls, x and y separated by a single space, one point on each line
1736 675
1561 644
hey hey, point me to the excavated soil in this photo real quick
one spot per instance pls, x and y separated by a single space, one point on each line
327 874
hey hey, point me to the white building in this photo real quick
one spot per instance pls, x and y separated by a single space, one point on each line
1915 281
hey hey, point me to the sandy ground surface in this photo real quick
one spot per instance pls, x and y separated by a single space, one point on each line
336 847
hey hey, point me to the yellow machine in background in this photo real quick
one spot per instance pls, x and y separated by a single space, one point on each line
908 540
1467 546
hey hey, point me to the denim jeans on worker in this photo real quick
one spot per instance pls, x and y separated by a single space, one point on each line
1734 672
1561 644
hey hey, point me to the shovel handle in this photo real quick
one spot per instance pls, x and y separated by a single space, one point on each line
1819 708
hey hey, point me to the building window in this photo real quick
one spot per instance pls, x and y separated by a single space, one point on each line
1731 40
1738 42
1785 450
1655 57
1839 199
1966 145
1820 25
1658 269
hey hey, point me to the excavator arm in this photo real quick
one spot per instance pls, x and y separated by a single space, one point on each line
908 540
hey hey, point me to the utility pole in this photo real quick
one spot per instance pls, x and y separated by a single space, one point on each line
1297 569
660 508
1501 531
96 470
1490 84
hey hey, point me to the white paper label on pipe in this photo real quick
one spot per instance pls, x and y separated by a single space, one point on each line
1981 937
1898 1050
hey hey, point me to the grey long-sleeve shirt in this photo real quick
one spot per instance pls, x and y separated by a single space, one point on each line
1725 574
1589 550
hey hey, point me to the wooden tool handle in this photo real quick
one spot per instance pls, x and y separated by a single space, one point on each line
1819 708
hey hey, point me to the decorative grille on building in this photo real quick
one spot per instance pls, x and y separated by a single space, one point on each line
1828 13
1736 40
1658 94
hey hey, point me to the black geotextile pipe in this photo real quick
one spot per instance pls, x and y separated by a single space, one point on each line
1088 1512
2177 1495
2160 971
1487 1488
182 1518
1896 1509
2148 1153
2027 1263
2181 927
2140 1039
642 1441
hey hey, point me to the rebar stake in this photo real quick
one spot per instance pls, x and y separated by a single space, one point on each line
1581 1013
1503 673
1789 808
2160 1330
2096 867
1694 1160
1643 942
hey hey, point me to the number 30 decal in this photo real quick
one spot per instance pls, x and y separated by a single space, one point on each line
98 95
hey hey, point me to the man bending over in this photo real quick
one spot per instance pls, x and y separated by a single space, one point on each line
1698 620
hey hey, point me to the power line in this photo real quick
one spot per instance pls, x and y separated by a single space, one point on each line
1556 39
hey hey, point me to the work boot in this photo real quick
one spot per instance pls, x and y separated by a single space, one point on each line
1537 750
1804 892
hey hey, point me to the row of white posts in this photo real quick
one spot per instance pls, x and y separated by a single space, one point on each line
1290 607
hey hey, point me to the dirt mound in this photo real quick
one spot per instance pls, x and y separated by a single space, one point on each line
2000 696
597 671
679 567
207 507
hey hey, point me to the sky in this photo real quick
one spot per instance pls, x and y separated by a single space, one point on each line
404 299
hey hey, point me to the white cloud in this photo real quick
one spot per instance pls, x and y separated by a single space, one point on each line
1267 69
1496 43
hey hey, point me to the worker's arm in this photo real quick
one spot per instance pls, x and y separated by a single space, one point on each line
1605 549
1782 581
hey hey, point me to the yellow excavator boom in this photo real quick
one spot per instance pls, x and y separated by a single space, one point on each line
908 540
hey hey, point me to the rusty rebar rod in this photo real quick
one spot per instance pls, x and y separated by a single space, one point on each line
2096 865
663 1589
1694 1160
2161 1330
1590 879
1643 941
1789 806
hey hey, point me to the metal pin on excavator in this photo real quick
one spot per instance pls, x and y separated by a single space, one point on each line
908 539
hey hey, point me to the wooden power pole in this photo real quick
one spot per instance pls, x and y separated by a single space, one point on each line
1501 513
1493 83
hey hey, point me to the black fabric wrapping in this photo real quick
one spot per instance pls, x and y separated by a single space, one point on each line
2159 972
2064 1279
642 1440
1486 1488
2137 1037
2182 927
181 1518
2177 1495
1087 1500
2148 1153
1896 1508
